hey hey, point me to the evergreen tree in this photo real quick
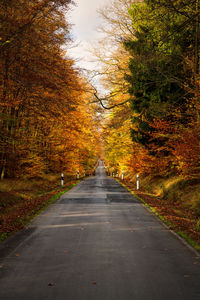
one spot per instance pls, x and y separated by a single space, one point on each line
158 72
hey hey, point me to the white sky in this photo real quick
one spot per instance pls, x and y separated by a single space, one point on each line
86 20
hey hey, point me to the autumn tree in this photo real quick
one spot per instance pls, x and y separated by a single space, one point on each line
40 102
161 80
113 59
155 67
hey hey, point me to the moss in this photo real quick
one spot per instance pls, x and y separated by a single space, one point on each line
189 240
3 236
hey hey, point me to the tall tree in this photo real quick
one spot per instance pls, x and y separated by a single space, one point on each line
159 76
40 102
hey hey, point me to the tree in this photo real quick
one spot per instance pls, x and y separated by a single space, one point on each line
41 93
159 75
161 62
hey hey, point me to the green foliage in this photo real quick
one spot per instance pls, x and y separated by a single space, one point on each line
158 73
198 225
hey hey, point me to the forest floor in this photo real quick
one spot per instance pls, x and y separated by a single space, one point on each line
176 214
20 201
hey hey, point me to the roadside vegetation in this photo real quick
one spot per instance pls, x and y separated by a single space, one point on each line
152 124
174 201
21 200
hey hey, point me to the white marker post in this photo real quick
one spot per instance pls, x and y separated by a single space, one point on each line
77 176
138 182
122 175
62 179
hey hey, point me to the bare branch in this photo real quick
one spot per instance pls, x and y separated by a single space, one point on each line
100 100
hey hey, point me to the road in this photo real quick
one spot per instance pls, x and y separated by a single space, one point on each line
98 242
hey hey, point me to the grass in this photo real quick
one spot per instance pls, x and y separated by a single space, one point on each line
189 240
186 190
33 213
21 201
181 220
147 205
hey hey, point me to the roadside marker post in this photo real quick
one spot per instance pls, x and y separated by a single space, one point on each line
122 175
77 176
138 182
62 179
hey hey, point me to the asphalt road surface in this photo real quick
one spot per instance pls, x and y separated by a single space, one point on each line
98 242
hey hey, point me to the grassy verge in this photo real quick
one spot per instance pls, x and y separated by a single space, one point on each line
21 201
175 214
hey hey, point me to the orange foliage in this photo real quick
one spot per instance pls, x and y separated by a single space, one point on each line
44 109
186 150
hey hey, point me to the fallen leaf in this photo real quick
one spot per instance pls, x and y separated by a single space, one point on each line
51 284
16 254
94 282
65 251
186 276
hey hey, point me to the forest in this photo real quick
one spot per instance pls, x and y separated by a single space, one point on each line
46 122
152 74
155 67
52 119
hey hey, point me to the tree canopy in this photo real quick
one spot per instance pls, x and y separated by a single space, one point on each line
161 48
46 123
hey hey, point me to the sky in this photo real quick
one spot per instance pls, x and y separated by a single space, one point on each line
84 31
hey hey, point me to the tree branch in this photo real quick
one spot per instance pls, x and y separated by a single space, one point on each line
100 100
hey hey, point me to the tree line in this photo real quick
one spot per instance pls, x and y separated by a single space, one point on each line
154 69
46 124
